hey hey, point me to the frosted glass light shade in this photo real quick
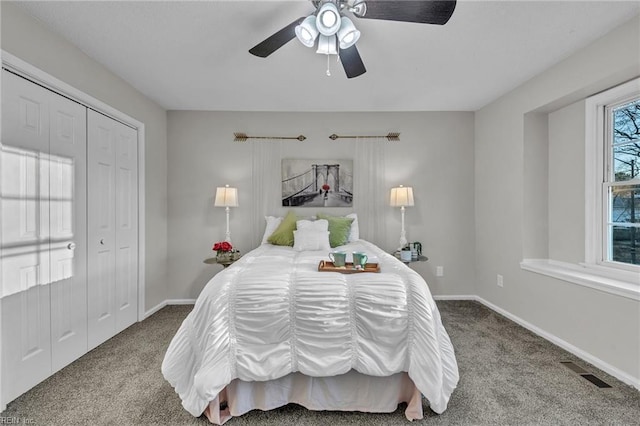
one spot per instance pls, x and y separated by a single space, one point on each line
327 45
401 196
226 197
307 32
348 34
328 21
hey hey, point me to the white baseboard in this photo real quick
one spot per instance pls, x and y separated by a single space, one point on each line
455 297
167 303
154 309
181 301
597 362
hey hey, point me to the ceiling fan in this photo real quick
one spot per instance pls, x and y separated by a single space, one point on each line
337 35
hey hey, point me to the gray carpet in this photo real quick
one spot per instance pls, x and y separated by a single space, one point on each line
508 376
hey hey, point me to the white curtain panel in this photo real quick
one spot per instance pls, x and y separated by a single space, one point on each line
369 190
266 182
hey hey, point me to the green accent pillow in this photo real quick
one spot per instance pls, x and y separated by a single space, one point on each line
339 228
283 235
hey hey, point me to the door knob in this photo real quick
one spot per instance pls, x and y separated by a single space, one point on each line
71 246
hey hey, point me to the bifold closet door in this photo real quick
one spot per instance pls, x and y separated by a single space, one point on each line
43 239
68 229
113 227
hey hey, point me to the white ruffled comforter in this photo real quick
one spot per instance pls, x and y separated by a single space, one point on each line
273 313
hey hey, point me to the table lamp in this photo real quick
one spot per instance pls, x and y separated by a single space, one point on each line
402 197
226 197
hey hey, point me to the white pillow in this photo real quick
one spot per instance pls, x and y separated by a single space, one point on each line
313 225
354 232
272 224
309 240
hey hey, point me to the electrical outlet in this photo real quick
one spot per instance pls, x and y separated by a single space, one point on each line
500 281
439 271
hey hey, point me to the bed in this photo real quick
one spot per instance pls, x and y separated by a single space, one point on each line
271 330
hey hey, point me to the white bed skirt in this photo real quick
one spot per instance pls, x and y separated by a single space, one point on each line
352 391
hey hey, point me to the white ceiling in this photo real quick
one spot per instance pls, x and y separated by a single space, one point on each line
193 55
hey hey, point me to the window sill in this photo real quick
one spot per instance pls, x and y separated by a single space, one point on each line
620 283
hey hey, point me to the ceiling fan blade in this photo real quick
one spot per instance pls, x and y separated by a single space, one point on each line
423 12
352 62
277 40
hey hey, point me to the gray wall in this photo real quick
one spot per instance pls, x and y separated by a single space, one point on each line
601 324
27 39
566 183
434 156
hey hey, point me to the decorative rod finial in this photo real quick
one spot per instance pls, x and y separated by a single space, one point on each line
393 137
240 137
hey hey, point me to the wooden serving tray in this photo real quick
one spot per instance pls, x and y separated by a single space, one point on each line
328 266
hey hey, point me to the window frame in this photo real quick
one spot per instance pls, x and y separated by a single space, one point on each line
598 153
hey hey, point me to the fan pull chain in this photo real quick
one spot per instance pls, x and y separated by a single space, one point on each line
328 71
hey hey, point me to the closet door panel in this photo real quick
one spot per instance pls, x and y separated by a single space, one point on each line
25 183
25 244
101 228
126 227
26 348
25 117
24 264
67 228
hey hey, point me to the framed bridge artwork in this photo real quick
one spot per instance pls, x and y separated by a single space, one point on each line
317 183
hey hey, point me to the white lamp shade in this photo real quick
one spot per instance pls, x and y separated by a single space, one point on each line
226 197
327 45
348 34
401 196
328 21
307 31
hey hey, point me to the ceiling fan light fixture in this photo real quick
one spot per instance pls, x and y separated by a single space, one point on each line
337 33
327 45
328 21
307 32
348 34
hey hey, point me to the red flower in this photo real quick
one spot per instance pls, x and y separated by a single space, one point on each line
223 246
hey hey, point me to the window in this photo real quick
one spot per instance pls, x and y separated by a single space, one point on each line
612 197
613 178
622 183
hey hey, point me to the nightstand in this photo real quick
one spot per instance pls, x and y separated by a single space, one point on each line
420 258
225 263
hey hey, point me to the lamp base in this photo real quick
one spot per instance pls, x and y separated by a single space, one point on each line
403 234
227 237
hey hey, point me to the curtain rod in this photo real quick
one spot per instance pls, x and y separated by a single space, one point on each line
242 137
391 137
